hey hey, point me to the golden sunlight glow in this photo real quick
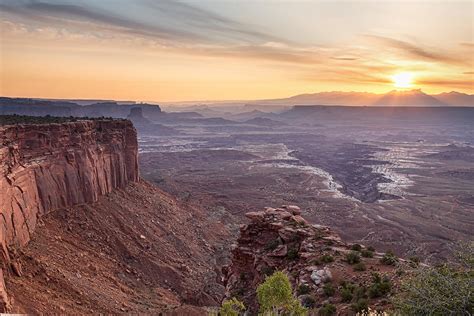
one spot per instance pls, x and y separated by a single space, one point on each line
403 80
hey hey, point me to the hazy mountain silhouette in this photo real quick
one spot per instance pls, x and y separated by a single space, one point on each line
456 98
408 98
393 98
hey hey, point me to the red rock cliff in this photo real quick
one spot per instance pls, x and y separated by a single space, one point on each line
47 167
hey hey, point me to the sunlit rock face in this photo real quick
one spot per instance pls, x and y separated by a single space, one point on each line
52 166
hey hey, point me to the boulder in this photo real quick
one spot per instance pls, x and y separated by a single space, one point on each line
298 219
321 276
296 210
284 215
255 216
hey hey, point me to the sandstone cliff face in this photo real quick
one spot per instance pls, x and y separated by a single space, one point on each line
47 167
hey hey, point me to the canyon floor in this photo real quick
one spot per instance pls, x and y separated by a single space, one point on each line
406 187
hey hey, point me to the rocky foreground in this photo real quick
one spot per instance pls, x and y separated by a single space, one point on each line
322 268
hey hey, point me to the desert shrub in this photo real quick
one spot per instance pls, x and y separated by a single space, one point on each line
292 253
352 257
360 267
361 305
308 301
366 253
360 292
346 295
267 270
441 290
356 247
275 296
327 310
272 244
326 258
370 248
379 287
303 289
232 307
389 259
329 289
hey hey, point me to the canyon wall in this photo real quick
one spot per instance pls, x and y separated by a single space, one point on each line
52 166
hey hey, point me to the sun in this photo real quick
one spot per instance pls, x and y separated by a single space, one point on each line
403 80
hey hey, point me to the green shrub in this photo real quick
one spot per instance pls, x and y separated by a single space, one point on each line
360 292
275 294
356 247
292 253
232 307
327 310
367 253
346 295
380 287
267 270
442 290
389 259
303 289
370 248
361 305
360 267
328 289
272 244
352 257
326 258
308 301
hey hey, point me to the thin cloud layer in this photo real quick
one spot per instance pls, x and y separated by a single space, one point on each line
416 51
191 24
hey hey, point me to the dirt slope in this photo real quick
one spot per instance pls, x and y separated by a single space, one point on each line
136 250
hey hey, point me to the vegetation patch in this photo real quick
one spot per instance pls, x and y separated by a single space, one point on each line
352 257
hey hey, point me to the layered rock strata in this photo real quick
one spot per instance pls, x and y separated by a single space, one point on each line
45 167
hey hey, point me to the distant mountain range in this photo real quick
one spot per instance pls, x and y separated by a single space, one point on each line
392 98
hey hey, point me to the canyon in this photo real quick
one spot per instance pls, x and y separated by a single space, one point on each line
172 217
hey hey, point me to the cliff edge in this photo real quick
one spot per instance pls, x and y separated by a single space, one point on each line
46 167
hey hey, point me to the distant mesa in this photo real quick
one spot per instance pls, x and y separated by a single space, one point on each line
38 107
136 116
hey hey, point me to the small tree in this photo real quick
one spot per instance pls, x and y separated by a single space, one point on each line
232 307
275 296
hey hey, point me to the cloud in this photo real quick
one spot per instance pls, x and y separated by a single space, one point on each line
265 52
190 23
467 44
462 84
345 58
415 51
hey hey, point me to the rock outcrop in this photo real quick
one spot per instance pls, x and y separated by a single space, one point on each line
45 167
314 257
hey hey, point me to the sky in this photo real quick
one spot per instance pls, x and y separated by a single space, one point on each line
169 50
